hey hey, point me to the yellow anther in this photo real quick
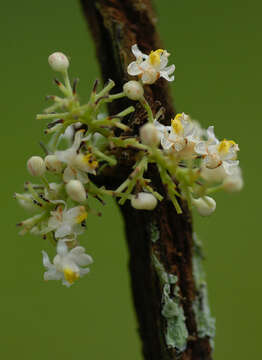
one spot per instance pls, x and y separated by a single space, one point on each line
90 161
177 125
225 146
82 215
154 57
70 275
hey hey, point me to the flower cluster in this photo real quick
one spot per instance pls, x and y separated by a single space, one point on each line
191 161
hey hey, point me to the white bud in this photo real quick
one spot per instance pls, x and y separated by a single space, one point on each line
133 90
58 61
76 190
144 201
234 182
205 205
53 164
149 134
36 166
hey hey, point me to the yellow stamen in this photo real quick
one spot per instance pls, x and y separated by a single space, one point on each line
70 275
90 161
225 146
82 215
154 57
177 125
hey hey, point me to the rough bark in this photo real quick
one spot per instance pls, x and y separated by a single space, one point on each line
115 26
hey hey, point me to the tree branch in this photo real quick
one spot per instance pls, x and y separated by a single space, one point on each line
168 298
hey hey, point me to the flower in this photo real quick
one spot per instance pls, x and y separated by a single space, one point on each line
182 135
67 265
66 222
150 67
217 155
78 164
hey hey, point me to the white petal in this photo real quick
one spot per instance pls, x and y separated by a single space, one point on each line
137 53
69 174
52 274
163 60
166 144
83 272
63 230
46 260
79 256
166 76
200 148
61 248
133 69
211 135
82 177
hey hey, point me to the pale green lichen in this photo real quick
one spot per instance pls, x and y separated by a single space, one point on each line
205 322
176 332
154 232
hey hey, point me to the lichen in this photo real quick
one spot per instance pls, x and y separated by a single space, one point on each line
205 322
154 232
176 332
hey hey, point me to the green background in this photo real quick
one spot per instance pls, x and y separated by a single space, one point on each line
216 47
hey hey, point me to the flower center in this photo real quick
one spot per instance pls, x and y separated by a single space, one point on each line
225 146
177 125
90 161
154 57
70 275
82 215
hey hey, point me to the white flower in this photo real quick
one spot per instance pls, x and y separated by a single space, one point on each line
217 154
67 265
150 67
53 164
181 136
66 222
78 164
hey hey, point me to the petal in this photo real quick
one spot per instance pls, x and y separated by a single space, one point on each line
163 60
46 260
82 177
164 75
200 148
69 174
63 230
52 274
61 248
83 272
80 257
211 135
137 53
133 69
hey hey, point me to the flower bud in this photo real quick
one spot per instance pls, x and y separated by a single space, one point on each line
149 135
58 61
233 182
133 90
76 190
205 205
36 166
53 164
144 201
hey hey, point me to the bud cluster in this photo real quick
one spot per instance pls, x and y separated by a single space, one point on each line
192 163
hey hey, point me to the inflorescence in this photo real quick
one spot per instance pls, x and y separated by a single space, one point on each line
192 163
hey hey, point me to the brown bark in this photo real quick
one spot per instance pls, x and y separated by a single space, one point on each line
116 25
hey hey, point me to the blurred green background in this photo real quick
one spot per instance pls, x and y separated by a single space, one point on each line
216 47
